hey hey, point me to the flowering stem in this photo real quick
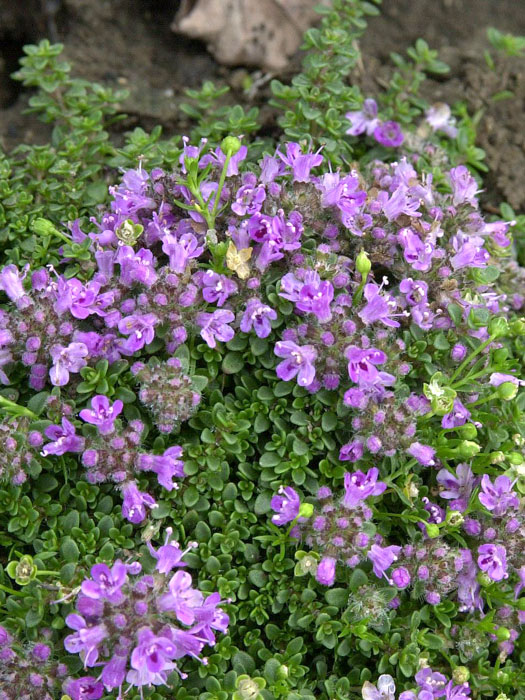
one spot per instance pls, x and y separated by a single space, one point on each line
219 189
472 355
15 409
6 589
494 395
404 468
472 376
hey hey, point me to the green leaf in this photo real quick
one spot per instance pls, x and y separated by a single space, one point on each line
243 663
337 597
190 497
232 363
357 579
329 421
69 550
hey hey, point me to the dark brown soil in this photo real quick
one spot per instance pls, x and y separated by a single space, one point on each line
128 43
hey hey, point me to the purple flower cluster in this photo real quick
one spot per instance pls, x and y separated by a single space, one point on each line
366 121
430 686
136 628
160 278
341 529
32 673
167 391
114 454
18 450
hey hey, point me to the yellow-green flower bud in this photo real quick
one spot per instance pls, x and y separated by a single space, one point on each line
363 264
282 672
454 518
518 327
230 145
497 457
515 458
507 391
306 510
432 530
43 227
483 579
498 327
467 449
468 431
502 634
460 675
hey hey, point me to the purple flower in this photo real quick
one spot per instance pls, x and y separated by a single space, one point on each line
469 251
389 134
364 119
385 690
468 586
168 556
76 298
498 497
209 617
299 361
114 672
85 688
457 692
166 466
457 417
249 199
492 560
457 486
11 284
325 573
270 169
382 558
86 639
301 163
423 453
359 486
102 413
286 505
351 452
362 366
182 599
497 378
464 187
440 119
378 308
65 360
521 585
401 577
417 253
402 201
181 250
135 503
64 439
219 157
106 583
343 193
217 288
136 266
310 295
140 330
215 326
415 290
431 682
257 316
151 659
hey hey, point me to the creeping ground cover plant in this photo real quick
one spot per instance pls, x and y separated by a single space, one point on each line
261 428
